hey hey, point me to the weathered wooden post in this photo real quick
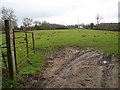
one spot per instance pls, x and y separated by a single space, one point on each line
10 49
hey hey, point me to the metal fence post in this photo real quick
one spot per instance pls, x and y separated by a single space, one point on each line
27 44
3 57
10 49
14 49
33 42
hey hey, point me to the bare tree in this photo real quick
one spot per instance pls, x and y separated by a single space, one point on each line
44 22
8 14
38 23
99 18
1 25
27 22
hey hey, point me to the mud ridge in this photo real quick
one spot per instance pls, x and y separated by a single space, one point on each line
75 68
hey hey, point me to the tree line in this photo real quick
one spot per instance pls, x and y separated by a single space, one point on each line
30 24
37 25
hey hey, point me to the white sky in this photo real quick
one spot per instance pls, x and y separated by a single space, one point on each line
119 12
65 12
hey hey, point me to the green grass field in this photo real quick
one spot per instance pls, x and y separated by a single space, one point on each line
48 40
105 40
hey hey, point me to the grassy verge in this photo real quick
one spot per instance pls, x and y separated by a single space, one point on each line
48 40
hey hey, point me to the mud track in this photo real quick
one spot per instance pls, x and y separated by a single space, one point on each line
75 68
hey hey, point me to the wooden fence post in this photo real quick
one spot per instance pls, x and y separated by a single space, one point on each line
10 49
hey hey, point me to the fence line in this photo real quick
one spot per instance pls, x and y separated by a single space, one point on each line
11 49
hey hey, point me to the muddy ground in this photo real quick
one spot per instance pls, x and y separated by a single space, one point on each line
71 67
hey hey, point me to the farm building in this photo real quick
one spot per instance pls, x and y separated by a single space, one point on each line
81 26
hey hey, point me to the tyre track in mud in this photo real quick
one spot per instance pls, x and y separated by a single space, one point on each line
75 68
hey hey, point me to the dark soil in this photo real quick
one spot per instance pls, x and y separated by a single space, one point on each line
74 68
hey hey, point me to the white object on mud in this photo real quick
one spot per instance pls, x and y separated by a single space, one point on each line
104 62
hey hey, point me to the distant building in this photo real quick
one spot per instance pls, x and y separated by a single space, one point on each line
81 26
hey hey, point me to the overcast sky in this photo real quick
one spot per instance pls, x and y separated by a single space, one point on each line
119 12
65 12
